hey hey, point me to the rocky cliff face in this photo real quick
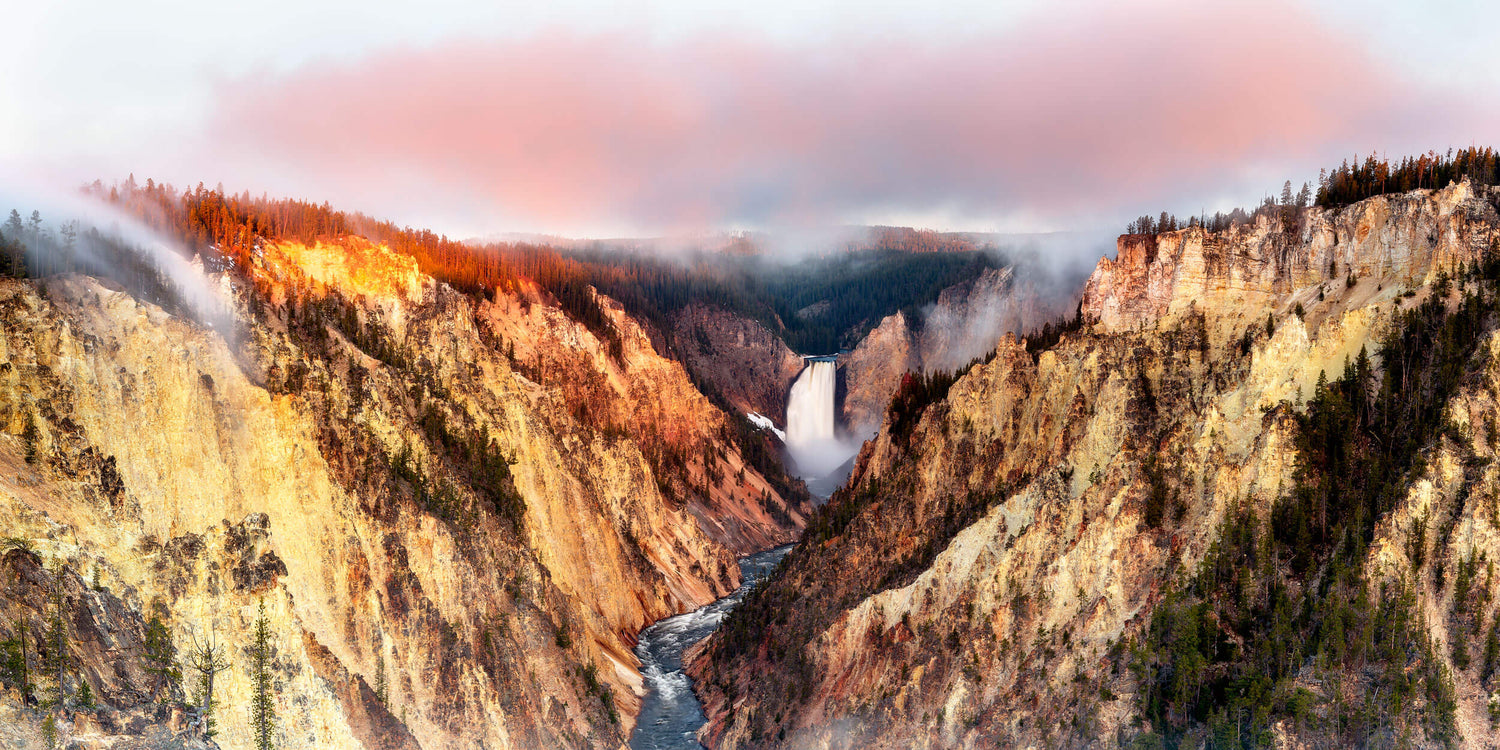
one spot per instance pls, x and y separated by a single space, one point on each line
1395 239
457 514
991 572
874 369
965 323
749 364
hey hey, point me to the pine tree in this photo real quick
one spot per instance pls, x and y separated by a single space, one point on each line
262 703
15 662
30 435
49 732
69 232
1491 652
161 659
1288 209
382 689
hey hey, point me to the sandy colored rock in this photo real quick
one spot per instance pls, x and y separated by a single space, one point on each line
891 635
749 364
965 323
327 459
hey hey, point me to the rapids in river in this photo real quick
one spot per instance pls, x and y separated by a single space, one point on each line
670 713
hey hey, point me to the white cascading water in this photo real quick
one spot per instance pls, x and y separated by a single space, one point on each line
811 438
809 407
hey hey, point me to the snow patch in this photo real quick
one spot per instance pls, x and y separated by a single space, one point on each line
764 422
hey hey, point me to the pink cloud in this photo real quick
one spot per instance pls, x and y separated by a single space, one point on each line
1108 110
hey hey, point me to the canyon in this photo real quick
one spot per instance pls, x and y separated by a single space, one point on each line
460 509
674 376
458 513
1001 569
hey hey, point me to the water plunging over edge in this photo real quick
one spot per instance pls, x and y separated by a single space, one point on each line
814 443
809 406
670 711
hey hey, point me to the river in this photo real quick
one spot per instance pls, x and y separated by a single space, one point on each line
670 713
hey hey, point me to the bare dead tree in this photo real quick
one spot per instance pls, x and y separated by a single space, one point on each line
208 660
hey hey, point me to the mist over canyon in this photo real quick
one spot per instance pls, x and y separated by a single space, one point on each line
424 493
697 444
445 375
371 497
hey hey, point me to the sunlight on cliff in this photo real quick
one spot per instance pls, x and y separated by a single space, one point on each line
356 266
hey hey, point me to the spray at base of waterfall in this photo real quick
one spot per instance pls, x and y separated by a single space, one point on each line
812 438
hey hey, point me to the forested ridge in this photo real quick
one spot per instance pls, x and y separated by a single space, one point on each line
820 303
1350 182
1293 624
830 303
817 305
1274 604
31 248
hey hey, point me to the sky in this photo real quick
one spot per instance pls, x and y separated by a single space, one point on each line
598 118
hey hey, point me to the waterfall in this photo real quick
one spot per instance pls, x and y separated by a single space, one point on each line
809 407
811 438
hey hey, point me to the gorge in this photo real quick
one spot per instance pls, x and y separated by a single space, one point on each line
1104 541
417 466
670 712
785 375
492 504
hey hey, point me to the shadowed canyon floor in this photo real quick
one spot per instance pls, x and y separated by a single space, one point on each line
670 712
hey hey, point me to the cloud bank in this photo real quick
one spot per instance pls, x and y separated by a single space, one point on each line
1064 120
208 302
